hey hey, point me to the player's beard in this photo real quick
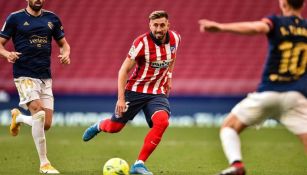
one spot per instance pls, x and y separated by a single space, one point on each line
160 36
34 7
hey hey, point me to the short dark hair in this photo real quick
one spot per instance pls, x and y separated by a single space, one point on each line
296 4
158 14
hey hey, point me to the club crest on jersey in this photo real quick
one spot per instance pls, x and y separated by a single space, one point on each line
173 49
50 25
161 64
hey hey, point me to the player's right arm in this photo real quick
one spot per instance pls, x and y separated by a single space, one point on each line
247 28
10 56
122 80
7 31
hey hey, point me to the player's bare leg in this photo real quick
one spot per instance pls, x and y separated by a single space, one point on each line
48 118
303 138
229 134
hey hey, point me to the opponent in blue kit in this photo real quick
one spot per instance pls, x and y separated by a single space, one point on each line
283 89
32 30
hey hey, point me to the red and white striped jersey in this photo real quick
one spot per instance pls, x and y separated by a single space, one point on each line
153 60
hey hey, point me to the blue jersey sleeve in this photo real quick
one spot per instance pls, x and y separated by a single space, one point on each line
8 28
58 30
271 21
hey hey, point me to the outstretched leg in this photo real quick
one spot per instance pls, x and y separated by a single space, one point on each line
231 144
106 125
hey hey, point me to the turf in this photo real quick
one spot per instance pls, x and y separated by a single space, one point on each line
183 151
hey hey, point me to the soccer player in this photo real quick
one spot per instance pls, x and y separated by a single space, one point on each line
282 91
153 55
31 30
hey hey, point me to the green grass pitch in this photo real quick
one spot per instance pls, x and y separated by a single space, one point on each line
182 151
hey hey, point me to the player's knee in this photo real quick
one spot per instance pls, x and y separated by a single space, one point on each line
35 107
160 119
232 121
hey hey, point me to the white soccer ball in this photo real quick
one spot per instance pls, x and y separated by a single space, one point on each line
116 166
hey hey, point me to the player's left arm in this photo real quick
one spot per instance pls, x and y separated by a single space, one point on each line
170 76
64 51
171 67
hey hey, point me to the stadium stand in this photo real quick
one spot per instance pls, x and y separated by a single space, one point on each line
101 32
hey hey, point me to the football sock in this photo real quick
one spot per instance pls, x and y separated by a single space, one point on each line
139 162
160 123
24 119
237 164
110 126
38 134
231 144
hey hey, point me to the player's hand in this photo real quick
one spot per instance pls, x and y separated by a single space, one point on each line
12 56
121 107
209 26
64 58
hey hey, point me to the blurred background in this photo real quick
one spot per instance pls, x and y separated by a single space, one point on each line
212 72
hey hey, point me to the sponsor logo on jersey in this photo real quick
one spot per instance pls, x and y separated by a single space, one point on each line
38 40
161 64
50 25
26 23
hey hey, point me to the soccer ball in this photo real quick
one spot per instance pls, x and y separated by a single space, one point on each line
116 166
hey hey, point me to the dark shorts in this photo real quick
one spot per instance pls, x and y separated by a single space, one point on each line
149 103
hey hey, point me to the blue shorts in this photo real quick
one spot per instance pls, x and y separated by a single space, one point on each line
149 103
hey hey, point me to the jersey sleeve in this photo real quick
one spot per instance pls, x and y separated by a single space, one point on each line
136 50
58 30
269 20
8 28
177 38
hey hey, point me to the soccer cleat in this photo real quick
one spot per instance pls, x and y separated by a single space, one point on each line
233 171
139 169
48 169
15 127
91 132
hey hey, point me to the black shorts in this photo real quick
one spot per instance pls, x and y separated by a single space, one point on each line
149 103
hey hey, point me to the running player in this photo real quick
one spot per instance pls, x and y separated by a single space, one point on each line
153 55
31 30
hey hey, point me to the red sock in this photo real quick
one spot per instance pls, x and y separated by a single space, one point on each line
238 164
110 126
160 123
